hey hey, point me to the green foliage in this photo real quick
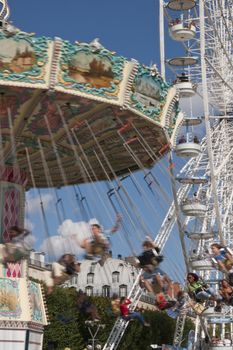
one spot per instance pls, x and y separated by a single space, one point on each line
74 333
63 303
161 331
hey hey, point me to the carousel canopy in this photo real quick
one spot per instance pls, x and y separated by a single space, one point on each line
64 105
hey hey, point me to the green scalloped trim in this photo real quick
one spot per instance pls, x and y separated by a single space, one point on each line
152 112
40 47
117 62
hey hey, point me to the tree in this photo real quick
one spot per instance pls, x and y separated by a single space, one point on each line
160 332
64 328
68 329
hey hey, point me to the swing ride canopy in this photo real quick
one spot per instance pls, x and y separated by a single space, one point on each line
64 105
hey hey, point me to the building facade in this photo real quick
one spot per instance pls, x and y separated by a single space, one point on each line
115 276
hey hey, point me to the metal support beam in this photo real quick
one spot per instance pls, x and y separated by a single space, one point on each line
207 122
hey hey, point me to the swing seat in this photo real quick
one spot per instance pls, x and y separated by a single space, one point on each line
149 258
198 308
164 305
99 248
172 313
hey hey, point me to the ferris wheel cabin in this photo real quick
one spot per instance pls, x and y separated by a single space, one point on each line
188 144
181 5
185 87
193 207
200 264
201 235
181 31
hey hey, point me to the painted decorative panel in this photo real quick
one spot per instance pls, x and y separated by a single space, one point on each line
96 72
13 270
9 298
36 302
11 199
23 58
148 93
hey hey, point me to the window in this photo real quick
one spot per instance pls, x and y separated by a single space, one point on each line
106 291
123 291
133 276
92 267
74 280
90 277
35 262
115 277
89 291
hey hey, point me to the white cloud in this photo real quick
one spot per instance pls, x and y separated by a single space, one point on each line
28 224
71 234
56 246
33 204
78 230
30 239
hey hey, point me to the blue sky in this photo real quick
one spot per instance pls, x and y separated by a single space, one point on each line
131 28
128 27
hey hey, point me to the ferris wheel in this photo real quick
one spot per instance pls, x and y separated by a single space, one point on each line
204 28
203 203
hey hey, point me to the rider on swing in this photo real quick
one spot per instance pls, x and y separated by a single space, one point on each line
17 246
98 245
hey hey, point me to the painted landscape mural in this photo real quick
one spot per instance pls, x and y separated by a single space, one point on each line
89 68
16 56
147 91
